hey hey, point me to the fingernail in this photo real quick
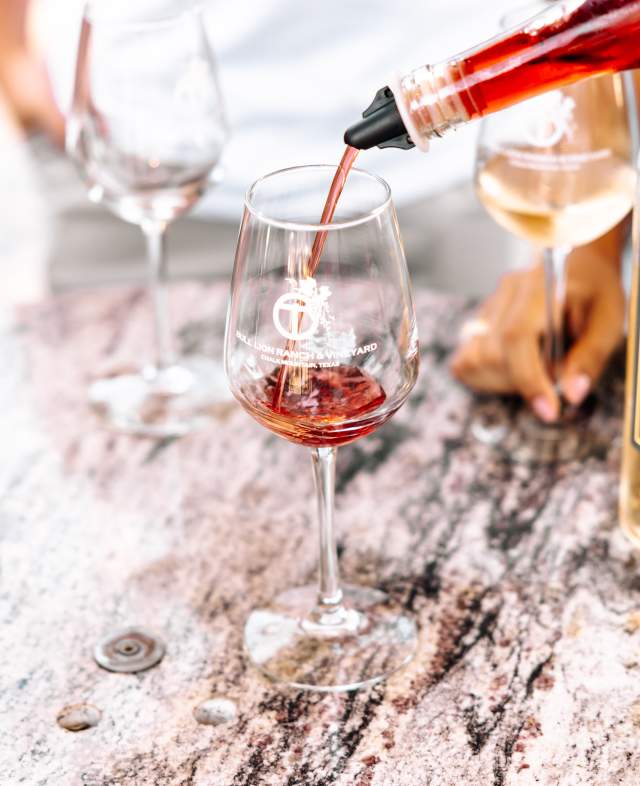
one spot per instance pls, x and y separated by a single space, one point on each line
544 409
576 388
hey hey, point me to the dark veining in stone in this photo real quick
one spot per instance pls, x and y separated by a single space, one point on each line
535 674
157 448
360 459
427 585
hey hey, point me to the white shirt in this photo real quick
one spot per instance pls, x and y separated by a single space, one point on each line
295 74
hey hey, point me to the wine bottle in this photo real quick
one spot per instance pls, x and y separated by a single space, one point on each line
567 42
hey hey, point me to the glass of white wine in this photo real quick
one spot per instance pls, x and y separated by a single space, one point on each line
557 171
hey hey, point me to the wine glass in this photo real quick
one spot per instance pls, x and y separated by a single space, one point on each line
322 360
147 130
556 170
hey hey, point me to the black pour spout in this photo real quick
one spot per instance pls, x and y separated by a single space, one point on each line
381 125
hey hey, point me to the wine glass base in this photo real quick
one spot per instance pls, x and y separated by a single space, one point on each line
567 439
491 421
524 439
171 402
377 639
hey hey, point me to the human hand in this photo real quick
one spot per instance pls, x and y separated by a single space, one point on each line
501 347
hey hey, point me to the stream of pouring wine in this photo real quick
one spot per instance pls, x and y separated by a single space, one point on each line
337 187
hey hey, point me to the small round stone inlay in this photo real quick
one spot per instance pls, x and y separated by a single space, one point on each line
129 651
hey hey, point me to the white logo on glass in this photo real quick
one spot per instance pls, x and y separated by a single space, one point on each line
551 119
299 313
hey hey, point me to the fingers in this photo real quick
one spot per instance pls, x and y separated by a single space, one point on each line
529 377
601 335
576 316
479 364
478 361
513 365
523 328
501 353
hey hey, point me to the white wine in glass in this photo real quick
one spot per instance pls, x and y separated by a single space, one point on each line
556 209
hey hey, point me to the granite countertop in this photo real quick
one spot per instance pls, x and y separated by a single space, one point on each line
527 595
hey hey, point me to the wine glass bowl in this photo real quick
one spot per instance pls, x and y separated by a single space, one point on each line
147 131
322 360
356 360
558 171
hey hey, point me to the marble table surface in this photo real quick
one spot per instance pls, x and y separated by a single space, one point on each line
526 594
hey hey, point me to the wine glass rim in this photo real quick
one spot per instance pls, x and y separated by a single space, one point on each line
164 20
306 226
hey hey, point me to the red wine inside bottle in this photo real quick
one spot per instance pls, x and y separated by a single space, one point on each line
599 36
567 42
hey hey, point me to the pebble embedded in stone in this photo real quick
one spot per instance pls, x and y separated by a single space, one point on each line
215 712
632 624
78 717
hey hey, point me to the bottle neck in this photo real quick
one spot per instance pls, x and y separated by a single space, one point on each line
433 100
565 42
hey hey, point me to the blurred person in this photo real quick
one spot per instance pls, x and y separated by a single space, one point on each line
294 77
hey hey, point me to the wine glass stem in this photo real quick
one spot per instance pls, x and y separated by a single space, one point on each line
555 263
154 232
329 593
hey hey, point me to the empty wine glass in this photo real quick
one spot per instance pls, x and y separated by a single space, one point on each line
147 130
322 360
556 170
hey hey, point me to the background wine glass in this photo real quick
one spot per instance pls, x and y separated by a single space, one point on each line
556 170
343 344
147 130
